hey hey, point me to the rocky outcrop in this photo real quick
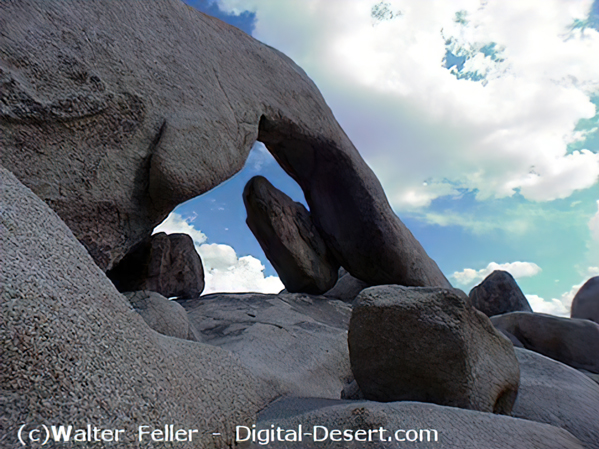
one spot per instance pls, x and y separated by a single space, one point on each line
585 304
166 264
406 424
497 294
430 345
164 316
289 238
75 352
568 340
295 343
132 123
347 287
553 393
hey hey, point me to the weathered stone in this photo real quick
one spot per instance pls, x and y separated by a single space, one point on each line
164 316
553 393
347 287
499 293
289 238
568 340
113 126
74 351
585 304
455 428
430 345
166 264
295 343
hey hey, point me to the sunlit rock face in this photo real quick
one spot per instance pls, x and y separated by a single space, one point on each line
115 112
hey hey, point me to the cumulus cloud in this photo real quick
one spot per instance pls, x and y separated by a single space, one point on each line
469 276
438 95
594 226
552 306
224 271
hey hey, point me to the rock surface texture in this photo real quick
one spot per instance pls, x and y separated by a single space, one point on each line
73 350
497 294
568 340
430 345
297 344
161 314
456 428
347 287
113 126
585 304
553 393
289 238
166 264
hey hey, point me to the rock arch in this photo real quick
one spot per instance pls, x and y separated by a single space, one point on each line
152 103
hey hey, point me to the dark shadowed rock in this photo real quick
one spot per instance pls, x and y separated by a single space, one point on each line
347 287
289 238
295 343
74 351
499 293
569 340
455 428
553 393
161 314
113 126
430 345
167 264
585 304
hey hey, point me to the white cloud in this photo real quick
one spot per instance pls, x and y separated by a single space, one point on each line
468 276
552 306
224 271
594 226
175 223
414 120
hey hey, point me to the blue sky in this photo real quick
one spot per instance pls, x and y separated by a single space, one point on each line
480 118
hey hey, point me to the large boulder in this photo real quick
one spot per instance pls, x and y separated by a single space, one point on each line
553 393
430 345
161 314
585 304
75 352
295 343
499 293
569 340
347 287
113 126
289 238
403 424
166 264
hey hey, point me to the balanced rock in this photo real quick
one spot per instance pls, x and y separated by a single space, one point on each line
499 293
585 304
430 345
74 352
568 340
295 343
113 126
164 316
289 238
166 264
553 393
405 424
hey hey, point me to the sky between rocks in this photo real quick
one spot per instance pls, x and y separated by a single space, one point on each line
480 118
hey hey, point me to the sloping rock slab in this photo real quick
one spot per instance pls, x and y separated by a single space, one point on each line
585 304
166 264
296 343
430 345
499 293
553 393
456 428
74 351
568 340
115 112
289 238
161 314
